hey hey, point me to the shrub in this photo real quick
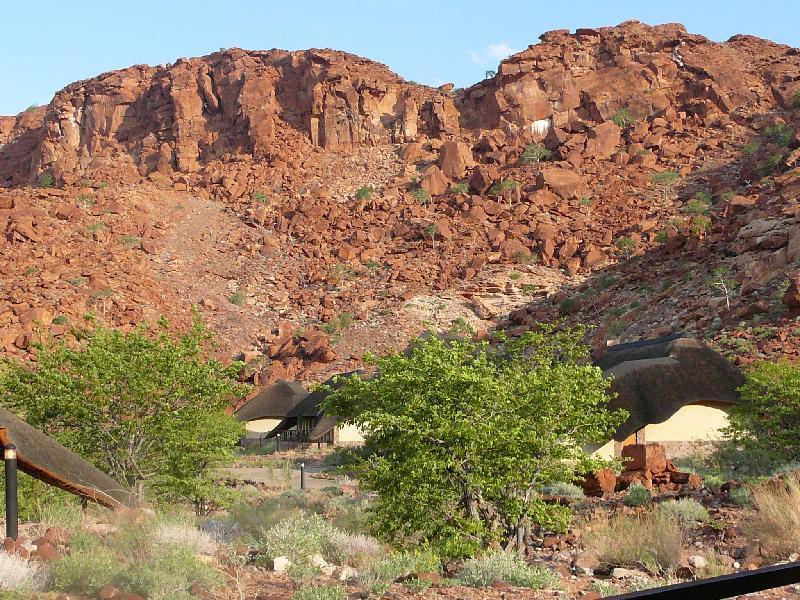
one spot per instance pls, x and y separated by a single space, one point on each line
637 495
352 548
740 496
365 193
767 421
61 320
460 188
502 186
142 406
796 99
505 568
653 540
321 592
129 241
432 412
296 538
260 197
378 576
17 573
417 586
563 488
750 148
421 195
197 541
780 134
770 165
84 571
776 521
171 572
604 588
626 244
700 224
686 511
623 118
665 180
697 206
534 153
46 180
236 298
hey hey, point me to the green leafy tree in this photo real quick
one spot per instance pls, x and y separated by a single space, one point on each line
534 153
622 118
665 180
148 410
767 423
465 434
430 230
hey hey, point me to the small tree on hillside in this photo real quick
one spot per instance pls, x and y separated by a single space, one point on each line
666 180
149 410
430 230
466 434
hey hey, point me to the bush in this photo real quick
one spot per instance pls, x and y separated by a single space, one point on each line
767 421
697 206
637 495
563 488
377 577
236 298
604 588
740 496
19 574
260 197
626 244
699 224
365 193
686 511
321 592
502 186
46 180
623 118
421 195
433 412
796 99
770 165
776 521
534 153
780 134
296 538
665 180
460 188
653 540
417 586
353 548
505 568
141 406
133 561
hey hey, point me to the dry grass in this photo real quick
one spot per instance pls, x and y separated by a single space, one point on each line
197 541
652 540
776 522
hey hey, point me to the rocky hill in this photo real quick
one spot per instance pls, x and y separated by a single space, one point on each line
314 204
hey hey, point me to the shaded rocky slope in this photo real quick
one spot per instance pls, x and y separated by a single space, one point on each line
230 181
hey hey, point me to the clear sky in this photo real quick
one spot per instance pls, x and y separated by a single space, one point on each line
47 44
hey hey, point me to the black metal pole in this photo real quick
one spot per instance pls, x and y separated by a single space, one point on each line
302 476
12 493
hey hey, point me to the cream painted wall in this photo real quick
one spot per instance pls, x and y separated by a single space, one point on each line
350 434
257 427
692 423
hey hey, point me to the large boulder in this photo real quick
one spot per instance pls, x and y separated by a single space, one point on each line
651 457
434 181
567 184
455 158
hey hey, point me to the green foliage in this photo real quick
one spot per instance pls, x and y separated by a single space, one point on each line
626 244
296 538
796 100
780 134
365 193
503 185
86 201
144 407
770 165
637 495
379 575
61 320
42 503
321 592
506 568
534 153
236 298
665 180
260 197
421 195
339 324
129 241
604 588
524 257
585 201
700 224
46 180
750 148
623 118
686 511
740 496
563 488
465 433
134 562
662 236
460 188
699 205
417 586
768 419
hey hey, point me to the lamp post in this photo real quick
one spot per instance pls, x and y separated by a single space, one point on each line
302 476
12 506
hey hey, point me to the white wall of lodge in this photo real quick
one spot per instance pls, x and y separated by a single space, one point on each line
349 434
691 423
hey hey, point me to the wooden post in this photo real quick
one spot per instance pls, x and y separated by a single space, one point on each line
12 494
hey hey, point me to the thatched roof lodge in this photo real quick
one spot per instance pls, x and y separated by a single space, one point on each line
42 457
675 389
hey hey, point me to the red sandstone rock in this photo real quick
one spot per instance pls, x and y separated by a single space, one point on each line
651 456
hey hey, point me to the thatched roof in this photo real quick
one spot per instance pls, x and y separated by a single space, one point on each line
40 456
310 407
274 401
656 378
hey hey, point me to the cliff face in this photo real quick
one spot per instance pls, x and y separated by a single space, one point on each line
180 117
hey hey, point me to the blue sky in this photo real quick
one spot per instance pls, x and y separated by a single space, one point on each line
46 44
